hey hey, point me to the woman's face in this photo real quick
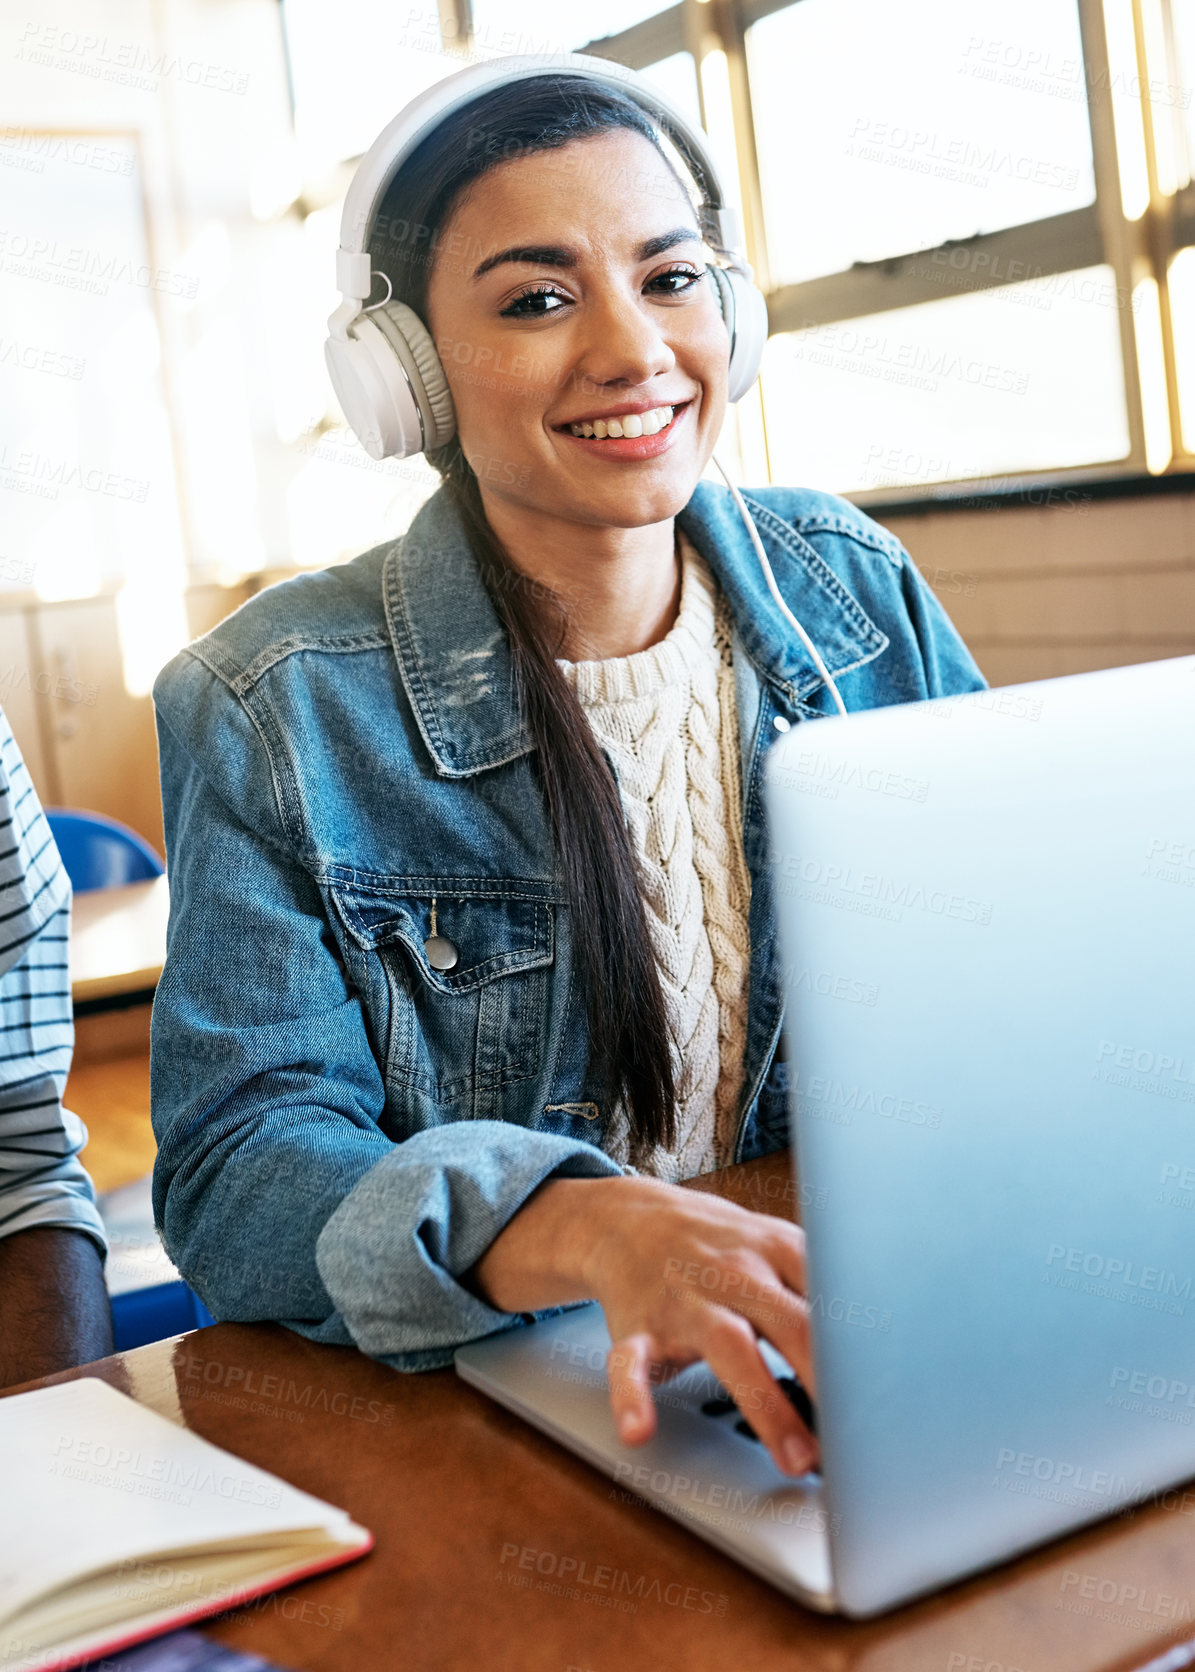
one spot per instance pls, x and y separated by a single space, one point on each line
570 286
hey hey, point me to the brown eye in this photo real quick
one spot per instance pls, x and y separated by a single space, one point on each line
516 309
688 274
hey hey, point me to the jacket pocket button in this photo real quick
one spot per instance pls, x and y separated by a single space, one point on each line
441 953
781 723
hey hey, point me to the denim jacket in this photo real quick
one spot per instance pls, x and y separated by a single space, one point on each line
343 1129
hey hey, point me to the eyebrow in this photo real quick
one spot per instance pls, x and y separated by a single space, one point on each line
560 255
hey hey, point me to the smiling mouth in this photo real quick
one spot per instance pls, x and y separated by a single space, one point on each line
630 427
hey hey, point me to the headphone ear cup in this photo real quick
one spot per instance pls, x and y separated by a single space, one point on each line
375 397
416 354
431 373
721 280
746 314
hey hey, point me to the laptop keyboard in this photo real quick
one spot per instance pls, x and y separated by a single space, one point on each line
794 1391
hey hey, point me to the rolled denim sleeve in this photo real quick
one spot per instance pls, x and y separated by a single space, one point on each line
277 1192
428 1210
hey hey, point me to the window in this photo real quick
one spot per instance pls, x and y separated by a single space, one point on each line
344 94
676 79
866 152
1024 378
87 460
975 227
501 26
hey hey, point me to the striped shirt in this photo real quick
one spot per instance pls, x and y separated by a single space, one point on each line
42 1180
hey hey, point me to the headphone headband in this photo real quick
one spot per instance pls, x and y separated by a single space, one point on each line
399 138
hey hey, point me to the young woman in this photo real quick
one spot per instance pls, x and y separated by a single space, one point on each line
472 954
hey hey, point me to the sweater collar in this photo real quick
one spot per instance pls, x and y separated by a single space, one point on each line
455 661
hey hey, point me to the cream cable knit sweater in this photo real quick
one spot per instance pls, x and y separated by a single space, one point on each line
667 718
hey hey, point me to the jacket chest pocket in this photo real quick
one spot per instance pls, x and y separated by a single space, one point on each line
455 1035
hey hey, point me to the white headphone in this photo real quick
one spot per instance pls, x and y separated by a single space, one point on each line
383 364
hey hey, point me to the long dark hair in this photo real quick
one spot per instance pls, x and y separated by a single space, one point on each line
629 1051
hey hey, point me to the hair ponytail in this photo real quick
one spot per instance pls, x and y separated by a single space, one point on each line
628 1024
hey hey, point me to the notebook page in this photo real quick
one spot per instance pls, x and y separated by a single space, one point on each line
93 1479
99 1603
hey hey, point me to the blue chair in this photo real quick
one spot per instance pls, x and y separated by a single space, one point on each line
153 1302
147 1315
148 1297
99 852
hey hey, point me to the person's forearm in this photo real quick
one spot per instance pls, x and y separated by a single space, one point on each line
54 1311
539 1258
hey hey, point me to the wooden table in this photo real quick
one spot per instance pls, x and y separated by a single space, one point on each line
474 1514
118 944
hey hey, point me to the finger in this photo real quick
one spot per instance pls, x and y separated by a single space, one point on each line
787 1254
628 1372
666 1370
733 1354
781 1315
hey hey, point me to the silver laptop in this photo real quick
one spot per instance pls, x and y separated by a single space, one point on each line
987 922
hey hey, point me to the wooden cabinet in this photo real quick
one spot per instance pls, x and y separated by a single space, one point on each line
87 741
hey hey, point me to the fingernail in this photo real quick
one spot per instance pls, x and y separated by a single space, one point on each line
628 1427
798 1459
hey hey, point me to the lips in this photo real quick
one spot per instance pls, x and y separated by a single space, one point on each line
629 424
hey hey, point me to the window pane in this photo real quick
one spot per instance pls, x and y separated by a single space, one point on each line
87 486
1182 313
547 26
344 97
876 137
1182 96
1026 377
676 79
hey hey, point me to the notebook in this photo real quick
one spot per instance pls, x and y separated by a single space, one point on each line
118 1525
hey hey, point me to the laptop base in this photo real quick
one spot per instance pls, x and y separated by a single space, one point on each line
698 1467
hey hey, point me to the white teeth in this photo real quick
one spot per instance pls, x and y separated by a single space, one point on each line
632 425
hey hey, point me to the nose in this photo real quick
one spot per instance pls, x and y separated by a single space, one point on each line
624 345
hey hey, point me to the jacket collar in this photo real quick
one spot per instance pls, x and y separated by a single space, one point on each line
456 664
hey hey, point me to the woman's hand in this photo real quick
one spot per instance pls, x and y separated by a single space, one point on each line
681 1276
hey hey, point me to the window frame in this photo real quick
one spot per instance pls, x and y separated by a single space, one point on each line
1099 234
